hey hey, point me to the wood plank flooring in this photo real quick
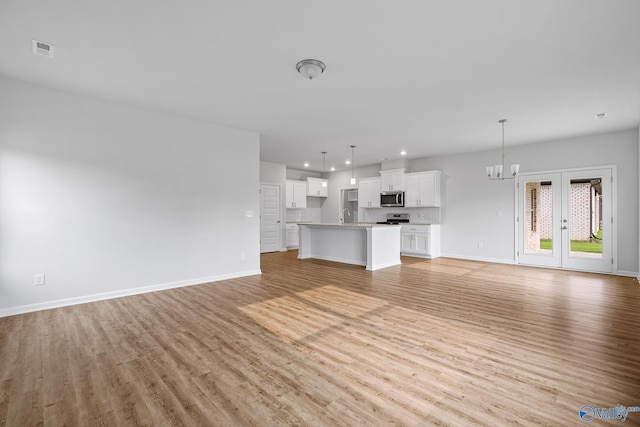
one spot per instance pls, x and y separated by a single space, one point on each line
309 342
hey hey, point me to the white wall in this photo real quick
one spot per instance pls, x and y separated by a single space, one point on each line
471 201
107 199
272 173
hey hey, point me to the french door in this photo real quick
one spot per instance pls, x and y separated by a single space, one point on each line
565 220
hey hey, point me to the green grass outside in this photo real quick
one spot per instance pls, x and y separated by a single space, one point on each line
578 245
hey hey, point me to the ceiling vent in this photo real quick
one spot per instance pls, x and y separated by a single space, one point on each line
42 48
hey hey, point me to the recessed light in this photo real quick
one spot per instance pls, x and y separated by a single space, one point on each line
601 116
332 169
348 162
306 165
403 153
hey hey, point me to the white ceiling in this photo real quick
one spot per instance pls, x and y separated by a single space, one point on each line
431 77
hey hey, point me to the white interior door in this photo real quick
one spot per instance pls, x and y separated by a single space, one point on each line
270 240
565 220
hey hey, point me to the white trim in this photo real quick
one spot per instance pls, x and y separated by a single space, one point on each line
586 168
337 259
627 273
481 259
383 265
12 311
504 261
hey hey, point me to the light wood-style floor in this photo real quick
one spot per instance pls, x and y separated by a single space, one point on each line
442 342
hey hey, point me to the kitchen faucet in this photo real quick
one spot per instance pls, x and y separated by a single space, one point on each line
347 211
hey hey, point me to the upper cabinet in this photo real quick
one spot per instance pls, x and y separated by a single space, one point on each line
296 194
369 193
392 180
422 189
315 188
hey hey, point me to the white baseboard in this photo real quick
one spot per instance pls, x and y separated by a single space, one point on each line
384 265
511 262
12 311
473 258
336 259
628 274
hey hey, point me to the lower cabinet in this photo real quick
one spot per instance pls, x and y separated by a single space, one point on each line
292 236
420 241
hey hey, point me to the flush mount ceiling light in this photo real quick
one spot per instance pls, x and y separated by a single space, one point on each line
498 169
310 68
353 171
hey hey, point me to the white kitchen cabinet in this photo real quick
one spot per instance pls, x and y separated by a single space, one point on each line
369 193
296 194
315 188
292 236
422 189
392 180
420 241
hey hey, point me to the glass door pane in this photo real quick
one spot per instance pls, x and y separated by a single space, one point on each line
586 220
538 219
585 217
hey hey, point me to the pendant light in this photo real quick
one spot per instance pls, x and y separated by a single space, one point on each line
499 169
353 165
324 169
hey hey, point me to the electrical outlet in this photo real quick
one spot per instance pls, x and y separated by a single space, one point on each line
243 256
38 279
499 213
480 245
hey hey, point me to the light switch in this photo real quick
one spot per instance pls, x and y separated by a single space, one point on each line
248 214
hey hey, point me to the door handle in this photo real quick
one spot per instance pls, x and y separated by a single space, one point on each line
564 227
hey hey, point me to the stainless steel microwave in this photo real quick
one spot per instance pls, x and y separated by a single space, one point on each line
392 199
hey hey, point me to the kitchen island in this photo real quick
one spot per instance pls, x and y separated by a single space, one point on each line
375 246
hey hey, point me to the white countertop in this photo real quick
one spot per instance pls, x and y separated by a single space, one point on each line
349 225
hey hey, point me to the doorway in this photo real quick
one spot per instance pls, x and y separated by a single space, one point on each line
270 240
565 219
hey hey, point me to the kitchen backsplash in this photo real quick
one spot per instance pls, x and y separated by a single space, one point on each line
308 214
417 215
